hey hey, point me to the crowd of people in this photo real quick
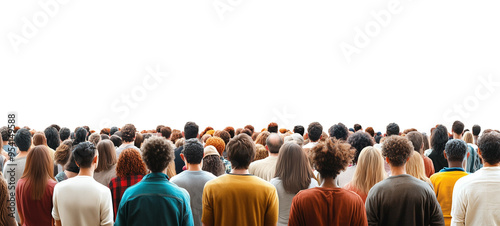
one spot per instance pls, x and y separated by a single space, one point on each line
276 176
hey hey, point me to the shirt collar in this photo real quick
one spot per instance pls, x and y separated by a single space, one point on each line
450 169
156 176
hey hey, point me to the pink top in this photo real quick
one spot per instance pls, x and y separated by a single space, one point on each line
35 212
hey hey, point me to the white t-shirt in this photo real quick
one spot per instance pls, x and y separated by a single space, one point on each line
82 201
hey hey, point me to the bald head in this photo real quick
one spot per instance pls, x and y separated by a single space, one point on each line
273 143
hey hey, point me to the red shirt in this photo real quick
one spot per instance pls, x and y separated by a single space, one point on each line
118 185
35 212
327 206
429 167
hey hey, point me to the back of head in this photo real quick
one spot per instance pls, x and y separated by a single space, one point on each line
295 138
415 167
476 130
397 149
455 150
357 127
94 138
314 131
369 169
260 152
193 151
113 130
130 163
117 141
392 129
457 127
439 138
166 132
107 155
250 127
52 136
39 139
4 130
240 151
128 133
139 138
274 142
299 129
468 138
63 152
157 153
224 135
272 127
23 139
416 140
339 131
230 130
84 154
489 147
359 140
39 168
190 130
370 131
158 128
293 168
80 136
331 157
262 137
64 133
218 143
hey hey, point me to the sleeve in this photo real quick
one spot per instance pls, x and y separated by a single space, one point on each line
435 211
106 208
295 217
371 206
207 216
273 208
55 212
458 206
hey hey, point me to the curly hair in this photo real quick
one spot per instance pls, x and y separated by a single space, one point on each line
176 134
260 152
63 152
230 130
130 163
217 142
157 153
206 130
359 140
397 149
128 132
331 157
392 129
489 147
455 150
213 164
224 135
272 127
262 137
339 131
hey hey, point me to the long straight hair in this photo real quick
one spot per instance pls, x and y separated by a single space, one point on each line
293 168
369 169
415 167
39 169
107 155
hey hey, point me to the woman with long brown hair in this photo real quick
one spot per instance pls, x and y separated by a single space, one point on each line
293 173
106 167
34 189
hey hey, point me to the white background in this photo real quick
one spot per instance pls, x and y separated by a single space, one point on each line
257 62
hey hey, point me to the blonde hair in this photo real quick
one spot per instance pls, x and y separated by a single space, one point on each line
415 167
468 138
369 169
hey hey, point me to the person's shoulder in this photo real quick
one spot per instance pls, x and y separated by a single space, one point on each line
275 181
351 195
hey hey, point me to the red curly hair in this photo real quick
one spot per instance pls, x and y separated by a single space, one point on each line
130 163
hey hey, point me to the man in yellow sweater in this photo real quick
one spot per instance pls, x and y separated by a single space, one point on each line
445 180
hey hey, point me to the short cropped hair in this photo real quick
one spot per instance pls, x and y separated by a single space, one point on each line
331 157
489 146
23 139
84 153
113 130
272 127
166 132
339 131
64 133
458 127
455 150
190 130
359 140
392 129
416 139
476 130
241 151
193 151
357 127
314 131
128 132
299 129
397 149
157 153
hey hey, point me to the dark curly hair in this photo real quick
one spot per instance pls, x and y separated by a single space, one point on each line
455 150
331 157
359 140
397 149
213 164
130 163
224 135
272 127
489 147
128 132
193 151
339 131
314 131
157 153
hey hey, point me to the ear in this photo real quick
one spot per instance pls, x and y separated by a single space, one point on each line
387 160
444 153
182 157
95 159
267 148
183 134
479 153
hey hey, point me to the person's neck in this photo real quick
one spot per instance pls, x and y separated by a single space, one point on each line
397 170
193 167
127 143
70 174
491 165
22 154
5 142
240 171
86 172
454 164
329 183
273 154
457 136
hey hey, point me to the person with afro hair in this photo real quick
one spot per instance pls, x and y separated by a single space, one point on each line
332 205
401 199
